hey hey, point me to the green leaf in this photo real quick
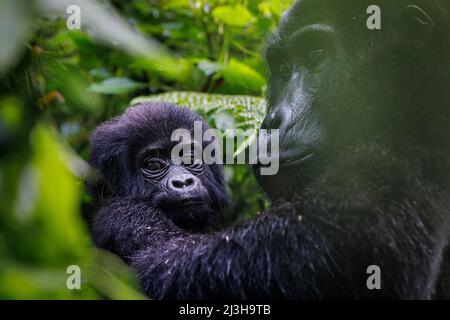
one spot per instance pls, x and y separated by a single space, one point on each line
115 86
60 234
273 8
239 77
235 16
178 69
11 113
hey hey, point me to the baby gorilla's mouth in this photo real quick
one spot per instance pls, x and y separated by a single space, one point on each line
189 212
191 201
175 202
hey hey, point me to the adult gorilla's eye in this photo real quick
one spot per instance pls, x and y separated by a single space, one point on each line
315 58
284 70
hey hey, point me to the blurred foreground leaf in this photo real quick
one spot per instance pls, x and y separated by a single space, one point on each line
45 234
98 18
15 22
57 195
107 26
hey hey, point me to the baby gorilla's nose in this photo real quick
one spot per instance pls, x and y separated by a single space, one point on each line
183 182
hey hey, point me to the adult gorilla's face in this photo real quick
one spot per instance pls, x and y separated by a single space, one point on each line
350 103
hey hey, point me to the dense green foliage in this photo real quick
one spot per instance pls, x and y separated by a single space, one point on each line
57 84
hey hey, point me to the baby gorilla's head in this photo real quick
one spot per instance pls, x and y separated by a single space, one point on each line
133 152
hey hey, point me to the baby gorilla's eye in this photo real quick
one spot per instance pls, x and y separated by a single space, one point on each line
192 162
154 164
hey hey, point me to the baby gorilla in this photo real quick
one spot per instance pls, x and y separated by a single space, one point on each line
133 152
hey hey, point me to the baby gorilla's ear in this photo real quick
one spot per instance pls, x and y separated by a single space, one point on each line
108 155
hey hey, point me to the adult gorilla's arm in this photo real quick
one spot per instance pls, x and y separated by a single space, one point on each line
259 259
275 255
129 224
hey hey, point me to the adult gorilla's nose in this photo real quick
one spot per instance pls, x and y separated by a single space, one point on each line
279 118
182 182
299 131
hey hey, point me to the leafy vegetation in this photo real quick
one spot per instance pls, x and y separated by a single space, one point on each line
57 85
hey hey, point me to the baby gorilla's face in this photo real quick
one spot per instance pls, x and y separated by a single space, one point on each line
133 152
178 190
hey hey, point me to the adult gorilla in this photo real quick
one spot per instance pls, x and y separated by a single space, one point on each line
364 125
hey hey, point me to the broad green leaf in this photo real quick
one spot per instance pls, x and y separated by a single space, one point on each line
235 16
240 77
168 67
56 210
115 86
272 8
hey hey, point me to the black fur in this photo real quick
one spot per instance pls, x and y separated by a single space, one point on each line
373 117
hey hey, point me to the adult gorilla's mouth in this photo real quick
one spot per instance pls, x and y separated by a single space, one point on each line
297 170
294 161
